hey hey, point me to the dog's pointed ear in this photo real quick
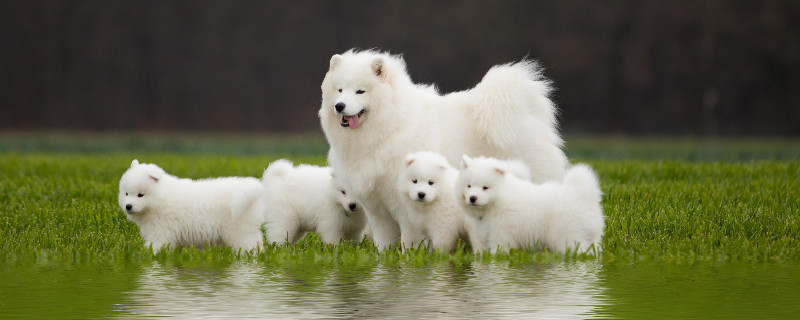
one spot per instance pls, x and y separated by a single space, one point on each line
466 161
335 60
134 163
156 174
410 160
379 68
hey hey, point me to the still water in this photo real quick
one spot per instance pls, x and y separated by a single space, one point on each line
472 290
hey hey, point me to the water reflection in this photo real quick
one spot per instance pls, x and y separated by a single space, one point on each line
447 290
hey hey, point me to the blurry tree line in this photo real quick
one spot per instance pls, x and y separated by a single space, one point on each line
701 67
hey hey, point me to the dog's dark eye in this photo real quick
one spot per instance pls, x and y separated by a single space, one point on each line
430 183
360 92
140 195
469 186
344 193
485 188
340 90
414 181
126 194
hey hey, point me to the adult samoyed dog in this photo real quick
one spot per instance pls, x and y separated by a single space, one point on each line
373 115
184 212
427 184
306 199
509 212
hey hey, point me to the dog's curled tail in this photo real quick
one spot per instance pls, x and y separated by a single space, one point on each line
581 179
279 169
244 200
506 92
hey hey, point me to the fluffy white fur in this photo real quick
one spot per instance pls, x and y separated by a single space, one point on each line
185 212
513 213
427 186
305 199
373 115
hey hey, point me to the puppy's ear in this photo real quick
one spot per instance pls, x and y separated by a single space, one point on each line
409 160
500 171
134 163
379 68
156 174
466 161
335 60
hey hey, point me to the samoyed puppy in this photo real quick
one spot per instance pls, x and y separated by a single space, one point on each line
426 183
510 212
184 212
306 199
373 115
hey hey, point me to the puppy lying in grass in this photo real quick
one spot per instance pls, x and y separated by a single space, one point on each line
184 212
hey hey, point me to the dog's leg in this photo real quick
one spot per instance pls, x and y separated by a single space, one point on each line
385 230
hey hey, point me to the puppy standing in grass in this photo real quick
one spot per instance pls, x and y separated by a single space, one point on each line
177 212
510 212
305 199
427 185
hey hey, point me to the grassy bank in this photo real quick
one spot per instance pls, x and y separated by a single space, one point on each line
59 201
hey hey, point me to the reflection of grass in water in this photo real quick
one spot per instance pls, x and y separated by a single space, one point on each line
59 206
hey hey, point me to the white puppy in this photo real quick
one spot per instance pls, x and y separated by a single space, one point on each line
427 185
373 115
510 212
174 211
307 199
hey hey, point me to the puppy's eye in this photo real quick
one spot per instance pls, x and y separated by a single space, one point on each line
430 183
340 90
140 195
126 194
485 188
344 193
414 181
360 92
469 186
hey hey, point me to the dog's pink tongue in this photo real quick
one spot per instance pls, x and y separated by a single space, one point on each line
352 121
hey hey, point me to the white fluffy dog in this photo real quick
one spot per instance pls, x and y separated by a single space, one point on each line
510 212
175 211
373 115
305 199
427 185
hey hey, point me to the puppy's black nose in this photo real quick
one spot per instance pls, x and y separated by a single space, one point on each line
472 199
421 195
352 206
340 106
128 207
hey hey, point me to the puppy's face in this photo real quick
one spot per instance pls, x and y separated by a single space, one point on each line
136 187
348 204
478 181
421 181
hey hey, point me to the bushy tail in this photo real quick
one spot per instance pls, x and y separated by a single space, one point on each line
507 91
279 169
582 180
243 200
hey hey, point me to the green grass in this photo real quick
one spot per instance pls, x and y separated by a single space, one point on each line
741 202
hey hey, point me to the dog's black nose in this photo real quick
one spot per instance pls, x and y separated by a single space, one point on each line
128 207
472 199
340 106
421 195
352 206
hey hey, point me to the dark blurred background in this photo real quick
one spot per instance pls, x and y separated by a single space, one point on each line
684 67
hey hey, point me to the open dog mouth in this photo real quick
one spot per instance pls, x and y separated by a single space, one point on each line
352 121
